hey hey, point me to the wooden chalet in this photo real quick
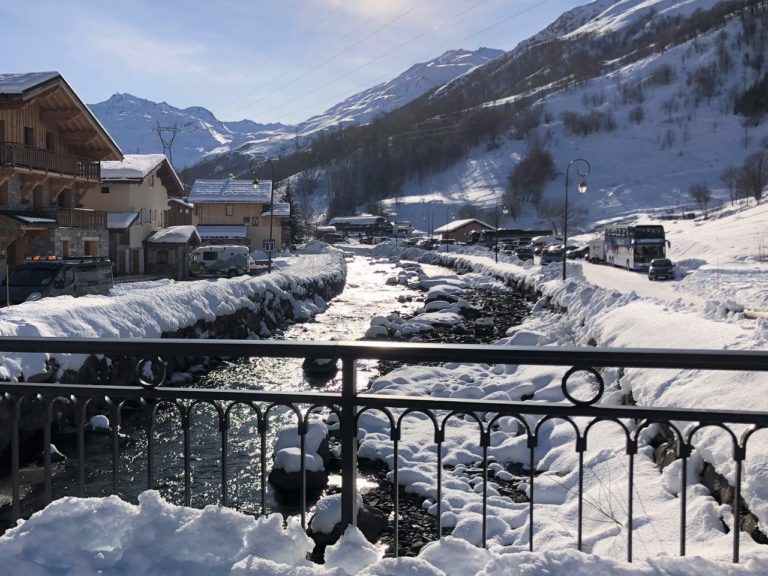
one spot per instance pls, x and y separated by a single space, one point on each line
51 146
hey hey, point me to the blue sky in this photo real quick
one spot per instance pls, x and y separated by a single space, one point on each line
265 60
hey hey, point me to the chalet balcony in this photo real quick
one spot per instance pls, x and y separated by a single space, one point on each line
79 218
40 160
74 217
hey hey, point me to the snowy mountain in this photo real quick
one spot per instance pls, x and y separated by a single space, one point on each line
417 80
133 121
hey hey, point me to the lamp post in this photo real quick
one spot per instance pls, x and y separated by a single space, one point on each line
582 189
256 165
428 217
496 235
450 213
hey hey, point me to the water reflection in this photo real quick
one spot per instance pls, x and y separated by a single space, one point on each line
347 318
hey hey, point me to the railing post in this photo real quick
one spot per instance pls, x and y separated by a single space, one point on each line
348 442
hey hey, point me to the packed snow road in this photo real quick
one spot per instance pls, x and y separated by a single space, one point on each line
626 281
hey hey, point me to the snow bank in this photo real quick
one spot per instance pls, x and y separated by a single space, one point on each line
155 538
609 318
152 309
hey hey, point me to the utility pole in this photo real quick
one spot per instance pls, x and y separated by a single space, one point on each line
167 144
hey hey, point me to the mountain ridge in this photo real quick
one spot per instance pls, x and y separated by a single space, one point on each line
133 120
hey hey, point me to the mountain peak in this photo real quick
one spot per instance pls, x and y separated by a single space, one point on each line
416 81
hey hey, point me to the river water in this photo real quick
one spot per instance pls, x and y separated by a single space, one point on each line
347 318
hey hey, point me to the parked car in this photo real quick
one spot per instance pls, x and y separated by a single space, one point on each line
551 254
524 252
661 268
427 244
225 260
335 237
41 277
579 252
539 243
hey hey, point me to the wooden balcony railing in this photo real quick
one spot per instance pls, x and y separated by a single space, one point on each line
78 218
19 156
74 217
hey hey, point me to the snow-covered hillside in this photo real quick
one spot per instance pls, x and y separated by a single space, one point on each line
662 124
417 80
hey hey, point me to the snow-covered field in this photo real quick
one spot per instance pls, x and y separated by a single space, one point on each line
158 538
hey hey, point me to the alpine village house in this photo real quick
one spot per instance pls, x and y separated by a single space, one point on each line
51 147
234 211
134 193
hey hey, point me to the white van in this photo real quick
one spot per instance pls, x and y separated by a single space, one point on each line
221 261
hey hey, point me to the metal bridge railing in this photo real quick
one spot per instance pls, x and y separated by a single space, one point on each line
20 399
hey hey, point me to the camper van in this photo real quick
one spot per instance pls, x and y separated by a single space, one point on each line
221 261
41 277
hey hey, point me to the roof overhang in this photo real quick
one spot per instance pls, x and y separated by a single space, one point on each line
60 105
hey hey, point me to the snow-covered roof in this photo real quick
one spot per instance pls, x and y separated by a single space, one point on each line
34 219
136 167
456 224
20 83
131 167
230 191
221 231
120 220
174 235
281 209
357 220
181 201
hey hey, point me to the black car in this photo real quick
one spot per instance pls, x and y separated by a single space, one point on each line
661 268
41 277
524 253
580 252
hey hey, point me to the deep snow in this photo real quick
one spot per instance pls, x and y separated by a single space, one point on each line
615 316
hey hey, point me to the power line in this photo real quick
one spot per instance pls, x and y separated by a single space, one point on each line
317 54
377 58
332 58
281 49
507 19
414 39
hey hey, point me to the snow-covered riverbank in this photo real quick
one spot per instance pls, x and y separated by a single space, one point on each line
155 309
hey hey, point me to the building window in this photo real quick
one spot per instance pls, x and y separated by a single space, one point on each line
105 189
49 141
90 247
29 136
246 221
230 210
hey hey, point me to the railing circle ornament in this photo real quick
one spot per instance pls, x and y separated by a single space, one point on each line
155 368
599 380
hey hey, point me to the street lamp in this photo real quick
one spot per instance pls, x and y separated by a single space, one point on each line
582 187
496 234
450 214
257 162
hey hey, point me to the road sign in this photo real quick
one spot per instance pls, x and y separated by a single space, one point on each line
269 245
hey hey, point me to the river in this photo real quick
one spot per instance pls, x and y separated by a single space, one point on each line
347 317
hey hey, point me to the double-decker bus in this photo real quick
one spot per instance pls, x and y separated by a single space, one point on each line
633 247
